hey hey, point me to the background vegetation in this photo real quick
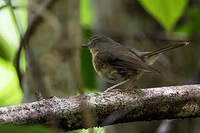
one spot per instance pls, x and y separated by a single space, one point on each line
60 67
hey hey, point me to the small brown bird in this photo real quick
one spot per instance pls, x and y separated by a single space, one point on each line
118 64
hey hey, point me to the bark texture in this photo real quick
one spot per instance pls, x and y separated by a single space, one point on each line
109 107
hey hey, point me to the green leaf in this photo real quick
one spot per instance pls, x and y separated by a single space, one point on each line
8 31
10 92
9 128
166 12
21 13
14 23
5 51
191 25
86 14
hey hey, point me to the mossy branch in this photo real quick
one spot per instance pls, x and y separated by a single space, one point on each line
108 108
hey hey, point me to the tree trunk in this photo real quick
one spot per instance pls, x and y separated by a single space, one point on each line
53 50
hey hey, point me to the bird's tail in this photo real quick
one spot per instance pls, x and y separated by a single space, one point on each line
165 49
151 57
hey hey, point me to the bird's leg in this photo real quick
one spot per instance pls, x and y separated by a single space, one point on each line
114 86
130 84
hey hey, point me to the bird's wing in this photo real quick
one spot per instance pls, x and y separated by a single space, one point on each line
149 60
124 61
135 60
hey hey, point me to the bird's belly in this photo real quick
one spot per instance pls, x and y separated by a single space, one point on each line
107 72
110 75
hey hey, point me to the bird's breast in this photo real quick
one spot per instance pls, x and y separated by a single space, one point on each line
106 71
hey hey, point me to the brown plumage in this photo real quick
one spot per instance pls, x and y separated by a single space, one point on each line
116 63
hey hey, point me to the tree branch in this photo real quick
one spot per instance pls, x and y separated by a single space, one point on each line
109 107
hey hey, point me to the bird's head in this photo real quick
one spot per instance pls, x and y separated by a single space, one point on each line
98 42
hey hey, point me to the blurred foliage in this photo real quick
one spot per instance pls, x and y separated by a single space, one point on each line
86 18
4 48
89 76
8 33
8 128
10 92
13 25
86 13
192 24
21 13
166 12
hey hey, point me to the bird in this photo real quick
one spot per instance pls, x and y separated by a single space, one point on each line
118 64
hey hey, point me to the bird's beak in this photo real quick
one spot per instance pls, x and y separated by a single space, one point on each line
84 45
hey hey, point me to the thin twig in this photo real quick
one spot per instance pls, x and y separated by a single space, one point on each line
15 18
37 19
13 7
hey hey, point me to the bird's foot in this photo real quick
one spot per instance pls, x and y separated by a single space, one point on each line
114 86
